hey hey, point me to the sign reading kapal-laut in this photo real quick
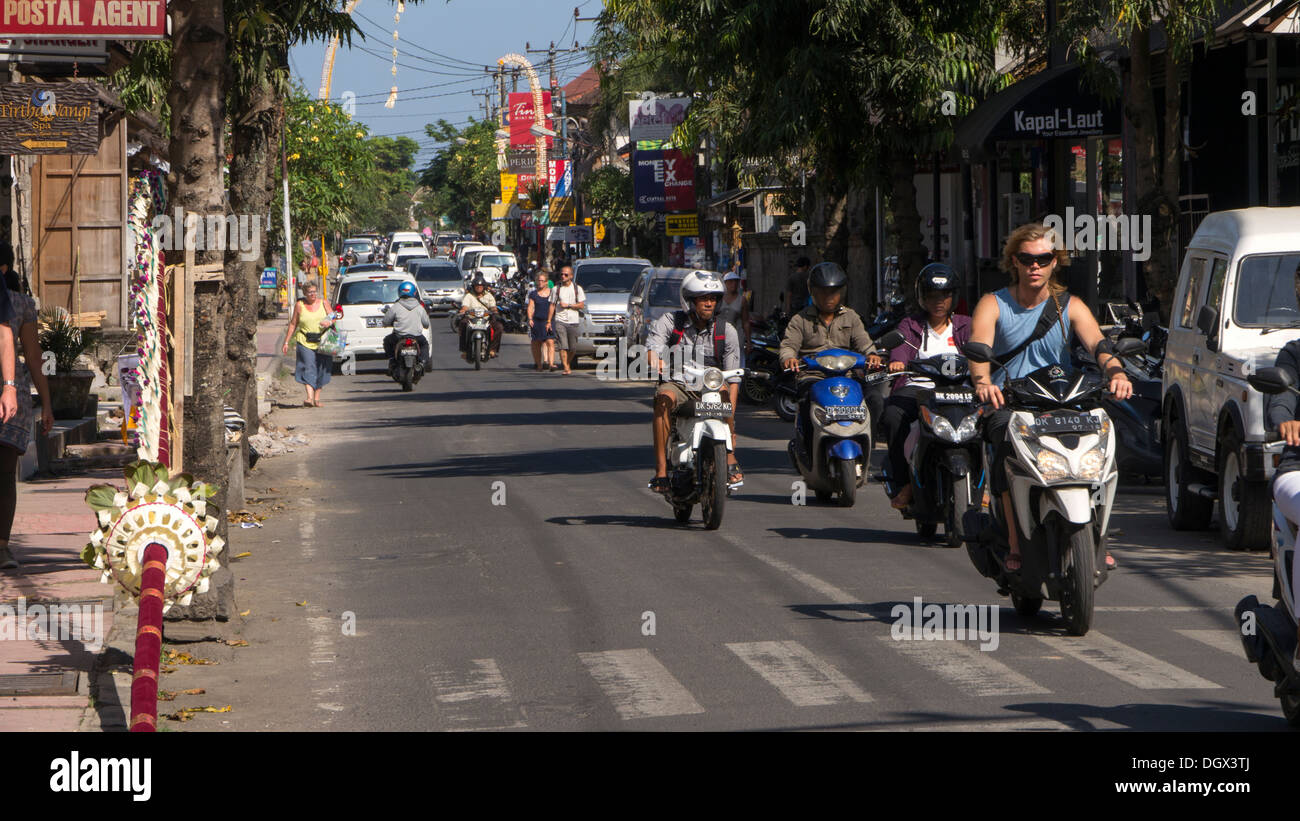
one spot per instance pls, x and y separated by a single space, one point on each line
1057 124
115 19
49 118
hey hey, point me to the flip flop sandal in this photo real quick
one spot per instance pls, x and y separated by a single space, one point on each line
735 477
1111 564
659 484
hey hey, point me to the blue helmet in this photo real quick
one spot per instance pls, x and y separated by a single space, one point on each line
406 289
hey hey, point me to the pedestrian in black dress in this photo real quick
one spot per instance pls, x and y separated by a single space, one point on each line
541 313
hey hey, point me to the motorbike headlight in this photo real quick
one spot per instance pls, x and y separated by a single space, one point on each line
839 391
941 426
837 363
1092 463
1052 465
712 379
966 430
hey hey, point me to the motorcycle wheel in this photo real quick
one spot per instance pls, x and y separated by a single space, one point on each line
956 511
755 391
786 406
713 495
823 495
408 375
1077 593
848 481
1026 606
1291 708
682 513
926 530
476 353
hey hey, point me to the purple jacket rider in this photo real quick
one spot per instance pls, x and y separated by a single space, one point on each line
913 330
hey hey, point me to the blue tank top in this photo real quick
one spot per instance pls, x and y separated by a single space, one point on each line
1015 324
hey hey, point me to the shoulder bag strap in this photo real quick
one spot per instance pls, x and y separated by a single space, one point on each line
1045 320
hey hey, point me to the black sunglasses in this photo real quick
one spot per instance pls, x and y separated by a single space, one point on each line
1043 260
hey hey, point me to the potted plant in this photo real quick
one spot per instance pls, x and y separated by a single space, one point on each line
69 387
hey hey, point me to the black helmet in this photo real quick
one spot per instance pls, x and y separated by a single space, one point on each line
936 277
478 280
827 275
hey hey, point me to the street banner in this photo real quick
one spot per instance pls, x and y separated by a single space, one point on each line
563 210
509 187
682 225
500 211
578 233
561 177
85 19
521 160
49 118
522 118
555 233
655 119
526 220
663 181
34 50
269 279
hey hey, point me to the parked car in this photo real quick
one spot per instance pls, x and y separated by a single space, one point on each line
440 283
1234 308
362 297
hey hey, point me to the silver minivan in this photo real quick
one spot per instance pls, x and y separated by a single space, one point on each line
607 283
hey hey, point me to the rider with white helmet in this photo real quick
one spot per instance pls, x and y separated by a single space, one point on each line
692 334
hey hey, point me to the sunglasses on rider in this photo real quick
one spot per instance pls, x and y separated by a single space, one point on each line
1043 260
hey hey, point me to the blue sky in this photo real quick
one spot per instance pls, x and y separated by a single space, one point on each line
442 50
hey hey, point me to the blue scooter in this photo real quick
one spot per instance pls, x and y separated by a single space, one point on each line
833 453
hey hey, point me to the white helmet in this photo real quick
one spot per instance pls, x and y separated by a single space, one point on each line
697 284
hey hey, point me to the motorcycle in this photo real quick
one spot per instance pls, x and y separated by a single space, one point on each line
698 443
477 331
1063 479
1268 633
407 366
1137 419
948 460
763 363
834 456
887 318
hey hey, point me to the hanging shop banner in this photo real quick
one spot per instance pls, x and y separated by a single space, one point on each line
655 119
521 160
682 225
663 181
561 177
509 187
85 19
522 118
49 118
578 233
33 50
563 210
500 211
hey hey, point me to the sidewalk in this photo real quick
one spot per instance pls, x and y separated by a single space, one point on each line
44 684
270 336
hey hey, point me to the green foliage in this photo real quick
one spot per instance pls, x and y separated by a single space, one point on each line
608 192
61 336
383 199
462 177
327 158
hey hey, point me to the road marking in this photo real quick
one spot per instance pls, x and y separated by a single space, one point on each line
476 699
1155 608
307 521
1226 640
1023 725
804 679
971 670
1128 664
322 652
830 591
638 685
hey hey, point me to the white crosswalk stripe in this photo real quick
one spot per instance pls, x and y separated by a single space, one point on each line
638 685
803 678
1224 639
967 667
477 698
1128 664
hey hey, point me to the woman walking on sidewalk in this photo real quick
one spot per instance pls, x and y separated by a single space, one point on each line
18 313
310 319
541 313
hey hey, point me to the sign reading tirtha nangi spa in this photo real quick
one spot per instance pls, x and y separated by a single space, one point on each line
49 118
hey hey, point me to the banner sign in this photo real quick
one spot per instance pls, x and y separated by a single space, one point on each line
555 233
500 211
522 118
655 119
561 177
563 210
27 50
526 220
85 19
49 118
509 187
682 225
268 281
521 160
663 181
578 233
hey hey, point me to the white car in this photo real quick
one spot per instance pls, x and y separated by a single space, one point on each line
362 299
1234 309
495 266
469 256
411 247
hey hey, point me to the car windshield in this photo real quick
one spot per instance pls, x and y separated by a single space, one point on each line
496 260
407 243
362 267
597 278
438 273
370 292
361 246
1266 290
666 293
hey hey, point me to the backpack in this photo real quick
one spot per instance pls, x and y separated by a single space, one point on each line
681 319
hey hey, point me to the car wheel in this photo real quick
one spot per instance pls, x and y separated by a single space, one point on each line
1245 507
1186 510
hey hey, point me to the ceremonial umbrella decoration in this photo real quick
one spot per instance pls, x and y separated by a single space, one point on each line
146 270
158 542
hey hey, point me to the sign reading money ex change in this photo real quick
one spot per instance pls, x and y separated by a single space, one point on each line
49 118
113 19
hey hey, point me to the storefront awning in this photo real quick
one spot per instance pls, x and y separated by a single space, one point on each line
737 194
1050 104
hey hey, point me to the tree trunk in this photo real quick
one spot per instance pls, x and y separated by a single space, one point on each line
1157 180
197 100
906 219
252 124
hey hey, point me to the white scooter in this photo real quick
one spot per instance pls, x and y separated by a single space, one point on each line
698 444
1268 634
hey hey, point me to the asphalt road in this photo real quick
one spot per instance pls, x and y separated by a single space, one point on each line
391 593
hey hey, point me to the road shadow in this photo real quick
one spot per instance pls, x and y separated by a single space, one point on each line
664 522
852 535
510 465
1150 717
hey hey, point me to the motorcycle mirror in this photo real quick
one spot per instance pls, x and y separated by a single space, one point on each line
977 352
1271 380
1128 346
890 340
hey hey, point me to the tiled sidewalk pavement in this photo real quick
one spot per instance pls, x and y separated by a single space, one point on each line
51 527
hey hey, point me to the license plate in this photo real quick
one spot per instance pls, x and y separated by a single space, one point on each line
845 413
374 322
712 410
1078 423
954 397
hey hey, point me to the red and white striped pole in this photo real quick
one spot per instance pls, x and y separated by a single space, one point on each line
148 641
